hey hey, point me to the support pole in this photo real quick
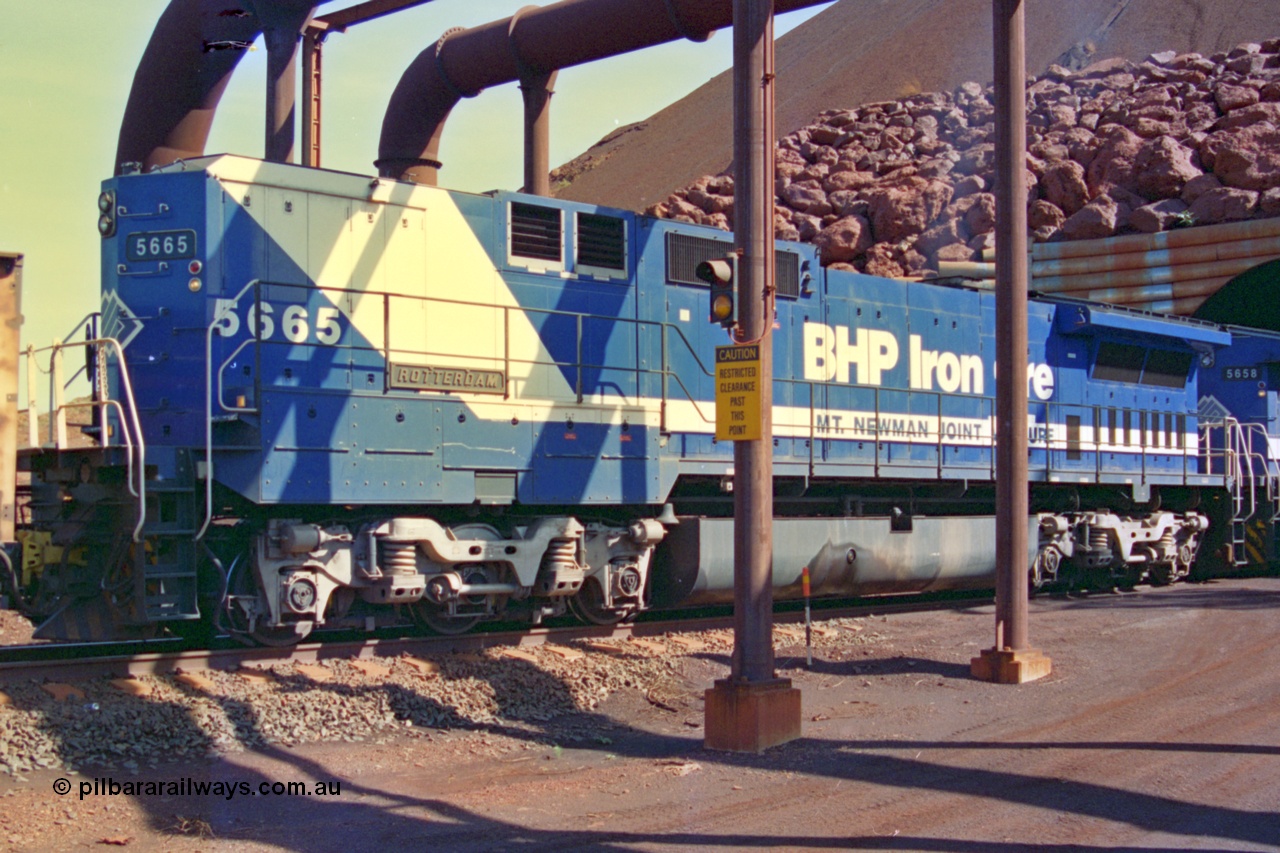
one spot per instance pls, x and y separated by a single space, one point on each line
537 89
1011 660
753 709
10 327
282 73
312 79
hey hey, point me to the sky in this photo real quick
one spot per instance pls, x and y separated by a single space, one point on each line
66 67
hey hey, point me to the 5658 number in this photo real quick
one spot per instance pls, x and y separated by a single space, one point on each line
294 322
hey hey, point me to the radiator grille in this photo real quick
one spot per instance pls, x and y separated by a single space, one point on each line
535 232
685 252
602 241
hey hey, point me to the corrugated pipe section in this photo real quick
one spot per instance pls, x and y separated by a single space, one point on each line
1170 271
536 40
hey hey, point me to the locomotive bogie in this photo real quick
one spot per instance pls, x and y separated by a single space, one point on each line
450 575
1160 547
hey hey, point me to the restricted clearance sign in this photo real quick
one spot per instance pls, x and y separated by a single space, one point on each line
738 380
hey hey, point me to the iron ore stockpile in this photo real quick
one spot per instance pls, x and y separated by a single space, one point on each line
893 188
117 723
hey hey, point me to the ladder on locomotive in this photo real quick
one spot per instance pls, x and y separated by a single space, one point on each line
1253 477
160 566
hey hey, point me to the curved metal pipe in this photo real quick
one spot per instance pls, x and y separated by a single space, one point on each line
184 70
536 40
180 79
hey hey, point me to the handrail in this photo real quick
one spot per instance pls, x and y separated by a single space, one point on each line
1242 464
219 314
222 369
128 439
135 447
576 367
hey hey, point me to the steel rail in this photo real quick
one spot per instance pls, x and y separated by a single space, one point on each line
163 663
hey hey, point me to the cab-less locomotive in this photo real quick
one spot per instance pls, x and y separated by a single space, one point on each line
331 400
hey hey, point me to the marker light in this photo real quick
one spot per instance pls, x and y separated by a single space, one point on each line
721 273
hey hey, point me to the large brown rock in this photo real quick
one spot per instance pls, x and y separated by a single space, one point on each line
807 198
882 261
847 179
1267 111
1163 166
1225 204
847 203
1247 157
1063 185
1112 165
1158 216
1101 217
905 207
1230 97
1197 187
1045 214
981 215
953 252
709 202
843 240
949 231
1269 202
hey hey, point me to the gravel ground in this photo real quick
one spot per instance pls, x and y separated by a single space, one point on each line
1158 729
347 701
15 629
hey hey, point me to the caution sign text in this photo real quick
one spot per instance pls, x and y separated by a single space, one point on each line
738 379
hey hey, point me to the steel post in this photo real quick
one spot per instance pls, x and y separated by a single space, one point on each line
753 709
753 239
282 72
312 80
1011 660
536 90
10 326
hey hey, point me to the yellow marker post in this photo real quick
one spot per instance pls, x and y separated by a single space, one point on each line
738 379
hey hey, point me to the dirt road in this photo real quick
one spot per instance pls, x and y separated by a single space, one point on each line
1157 730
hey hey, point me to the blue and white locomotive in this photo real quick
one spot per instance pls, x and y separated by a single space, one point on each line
331 400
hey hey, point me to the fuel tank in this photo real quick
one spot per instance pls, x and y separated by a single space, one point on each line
845 556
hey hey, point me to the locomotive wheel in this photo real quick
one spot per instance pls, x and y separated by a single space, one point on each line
435 618
588 605
283 635
245 584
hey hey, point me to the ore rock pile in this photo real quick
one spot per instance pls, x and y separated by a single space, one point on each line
893 188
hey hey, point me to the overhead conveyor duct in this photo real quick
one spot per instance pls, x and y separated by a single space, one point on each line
197 45
187 65
536 41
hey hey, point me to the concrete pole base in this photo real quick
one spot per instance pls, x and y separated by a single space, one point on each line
1006 666
751 716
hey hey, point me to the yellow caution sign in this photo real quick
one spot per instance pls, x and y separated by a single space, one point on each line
738 379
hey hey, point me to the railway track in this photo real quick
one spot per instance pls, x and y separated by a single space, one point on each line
68 662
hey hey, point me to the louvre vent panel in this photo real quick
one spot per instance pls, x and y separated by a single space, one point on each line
602 241
787 266
535 232
684 253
